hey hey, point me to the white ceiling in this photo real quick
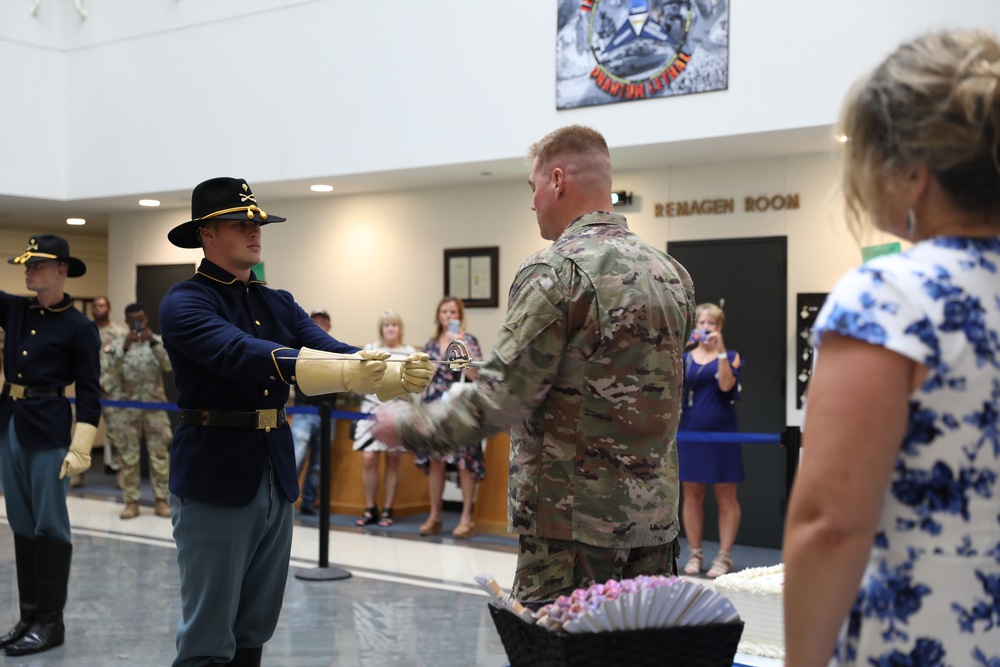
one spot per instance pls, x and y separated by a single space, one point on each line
50 215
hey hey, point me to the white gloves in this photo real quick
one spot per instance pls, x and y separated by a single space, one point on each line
412 375
318 372
78 457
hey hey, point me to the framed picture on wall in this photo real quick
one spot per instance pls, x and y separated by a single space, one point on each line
472 275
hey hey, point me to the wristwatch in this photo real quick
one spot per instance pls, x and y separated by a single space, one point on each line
722 355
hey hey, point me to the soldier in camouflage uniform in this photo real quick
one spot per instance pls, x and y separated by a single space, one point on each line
135 367
109 330
587 374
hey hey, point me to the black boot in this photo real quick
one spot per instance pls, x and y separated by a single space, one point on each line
247 657
47 631
26 557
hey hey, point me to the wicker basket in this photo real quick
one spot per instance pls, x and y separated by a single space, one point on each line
530 645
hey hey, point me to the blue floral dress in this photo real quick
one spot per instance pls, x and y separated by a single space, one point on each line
930 594
467 458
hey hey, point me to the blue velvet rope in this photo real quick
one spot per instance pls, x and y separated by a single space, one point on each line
744 438
291 410
687 436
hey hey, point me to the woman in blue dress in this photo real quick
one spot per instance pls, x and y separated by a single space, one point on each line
711 388
892 543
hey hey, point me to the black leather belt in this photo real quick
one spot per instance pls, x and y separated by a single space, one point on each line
260 419
19 391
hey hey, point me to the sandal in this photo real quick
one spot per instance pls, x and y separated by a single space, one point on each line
464 530
693 566
431 527
722 564
386 519
368 518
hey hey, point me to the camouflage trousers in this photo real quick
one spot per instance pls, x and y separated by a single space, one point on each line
110 457
128 426
547 568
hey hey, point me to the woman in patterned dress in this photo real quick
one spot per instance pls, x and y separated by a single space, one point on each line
468 461
892 546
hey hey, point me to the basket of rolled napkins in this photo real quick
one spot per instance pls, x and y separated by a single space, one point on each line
662 621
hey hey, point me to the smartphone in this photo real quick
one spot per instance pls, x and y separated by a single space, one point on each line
699 335
454 326
137 328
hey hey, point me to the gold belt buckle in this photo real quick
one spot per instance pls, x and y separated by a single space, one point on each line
17 391
267 419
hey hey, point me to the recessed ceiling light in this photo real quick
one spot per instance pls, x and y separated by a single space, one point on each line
75 221
321 188
149 202
842 138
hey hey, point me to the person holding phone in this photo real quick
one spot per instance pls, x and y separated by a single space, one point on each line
708 403
135 365
468 461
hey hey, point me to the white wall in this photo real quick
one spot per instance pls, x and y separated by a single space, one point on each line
32 121
356 256
159 95
162 94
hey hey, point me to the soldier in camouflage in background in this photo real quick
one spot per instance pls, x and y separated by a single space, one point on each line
587 373
100 310
135 366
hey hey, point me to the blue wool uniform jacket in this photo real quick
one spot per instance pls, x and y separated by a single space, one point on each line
224 338
49 347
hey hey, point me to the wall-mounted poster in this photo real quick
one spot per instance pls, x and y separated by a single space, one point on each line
808 306
623 50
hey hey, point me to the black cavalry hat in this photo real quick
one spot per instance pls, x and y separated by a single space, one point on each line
225 198
50 246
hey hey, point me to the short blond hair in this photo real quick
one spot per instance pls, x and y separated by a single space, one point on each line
712 311
572 139
389 316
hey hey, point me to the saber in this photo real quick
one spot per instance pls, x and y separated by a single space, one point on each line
457 353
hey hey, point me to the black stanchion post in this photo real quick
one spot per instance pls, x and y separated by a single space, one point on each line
325 438
324 572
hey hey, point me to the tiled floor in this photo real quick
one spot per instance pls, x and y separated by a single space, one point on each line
410 601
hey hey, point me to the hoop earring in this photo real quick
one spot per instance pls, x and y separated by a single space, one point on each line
911 224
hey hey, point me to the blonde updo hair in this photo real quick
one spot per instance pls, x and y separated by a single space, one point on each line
389 316
934 101
712 311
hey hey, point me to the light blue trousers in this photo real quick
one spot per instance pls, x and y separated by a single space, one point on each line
233 567
34 495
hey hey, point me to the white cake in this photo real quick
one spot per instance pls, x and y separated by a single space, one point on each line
757 593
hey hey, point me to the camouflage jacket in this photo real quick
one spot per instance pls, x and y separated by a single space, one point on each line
587 374
137 373
108 334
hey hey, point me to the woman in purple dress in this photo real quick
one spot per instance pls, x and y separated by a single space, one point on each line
711 388
469 460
